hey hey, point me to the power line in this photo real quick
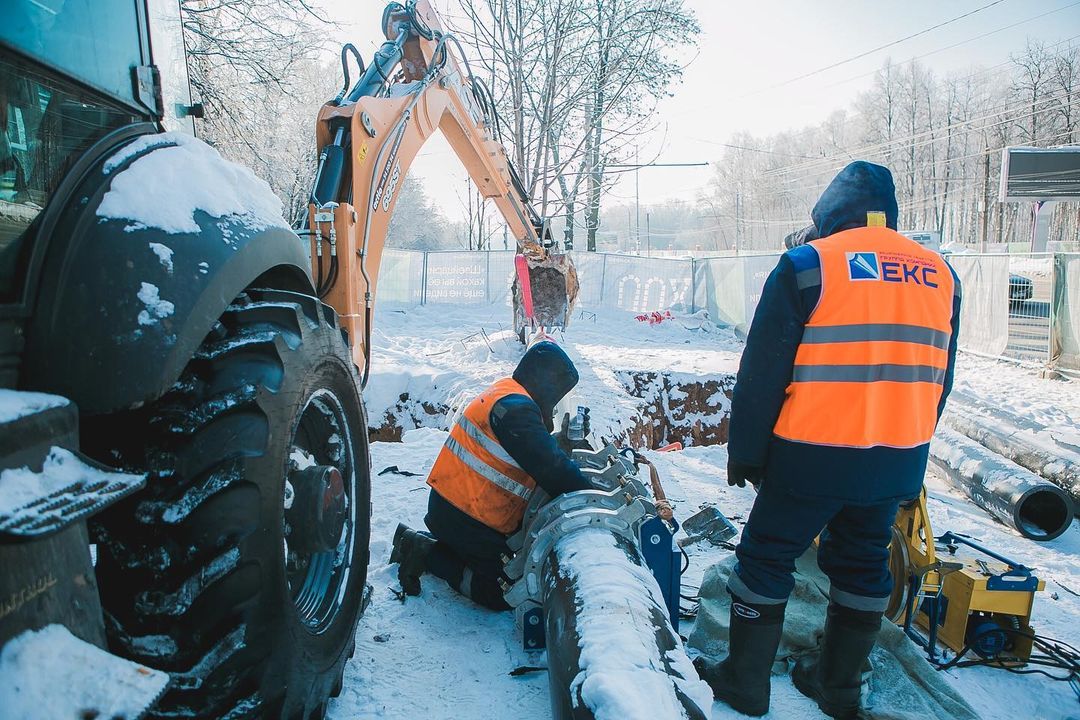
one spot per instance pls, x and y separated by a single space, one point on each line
963 42
877 49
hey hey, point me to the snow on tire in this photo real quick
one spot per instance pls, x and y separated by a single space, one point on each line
241 568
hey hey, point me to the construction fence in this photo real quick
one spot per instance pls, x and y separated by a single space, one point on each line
1021 306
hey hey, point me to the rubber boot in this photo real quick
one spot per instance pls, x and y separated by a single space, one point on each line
834 677
411 550
742 679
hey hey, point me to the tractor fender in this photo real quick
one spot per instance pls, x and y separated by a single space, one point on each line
123 305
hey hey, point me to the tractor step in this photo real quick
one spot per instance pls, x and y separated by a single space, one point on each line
50 673
68 488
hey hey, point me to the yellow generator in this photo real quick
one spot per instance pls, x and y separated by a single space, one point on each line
974 599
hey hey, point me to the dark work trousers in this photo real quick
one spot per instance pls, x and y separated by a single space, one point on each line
467 553
854 548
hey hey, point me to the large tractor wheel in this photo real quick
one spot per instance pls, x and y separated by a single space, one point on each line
241 568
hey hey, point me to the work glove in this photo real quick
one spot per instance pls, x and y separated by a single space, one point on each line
563 440
740 473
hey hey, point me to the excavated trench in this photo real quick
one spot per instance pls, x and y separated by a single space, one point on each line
671 407
678 407
406 414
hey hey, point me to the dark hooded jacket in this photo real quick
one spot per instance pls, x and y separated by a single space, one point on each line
522 426
790 294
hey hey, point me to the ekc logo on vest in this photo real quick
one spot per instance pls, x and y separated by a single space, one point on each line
892 268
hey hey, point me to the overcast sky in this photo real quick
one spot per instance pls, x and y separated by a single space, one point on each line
742 74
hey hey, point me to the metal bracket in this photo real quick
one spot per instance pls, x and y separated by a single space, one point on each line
365 120
529 616
537 500
610 477
602 459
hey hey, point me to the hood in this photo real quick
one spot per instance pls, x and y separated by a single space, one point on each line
548 374
859 188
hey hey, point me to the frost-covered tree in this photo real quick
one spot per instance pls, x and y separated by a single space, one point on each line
941 136
576 82
255 66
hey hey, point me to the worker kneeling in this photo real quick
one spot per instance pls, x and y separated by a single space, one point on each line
497 453
846 369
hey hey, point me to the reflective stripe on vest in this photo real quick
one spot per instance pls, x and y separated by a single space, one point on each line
871 364
475 474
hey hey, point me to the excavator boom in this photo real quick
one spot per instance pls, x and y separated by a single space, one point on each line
369 135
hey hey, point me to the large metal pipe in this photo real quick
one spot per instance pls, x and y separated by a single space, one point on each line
1016 439
1015 496
612 653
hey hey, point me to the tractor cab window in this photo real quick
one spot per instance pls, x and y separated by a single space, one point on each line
94 41
46 123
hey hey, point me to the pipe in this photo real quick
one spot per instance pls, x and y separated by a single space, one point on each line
1037 509
1004 434
612 653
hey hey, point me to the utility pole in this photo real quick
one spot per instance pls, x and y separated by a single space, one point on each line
738 218
985 196
637 202
648 235
636 167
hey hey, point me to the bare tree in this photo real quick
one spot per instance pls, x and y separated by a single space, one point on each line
579 80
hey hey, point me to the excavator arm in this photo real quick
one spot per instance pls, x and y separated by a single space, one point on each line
368 137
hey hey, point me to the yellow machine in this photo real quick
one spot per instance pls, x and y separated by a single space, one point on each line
971 599
368 137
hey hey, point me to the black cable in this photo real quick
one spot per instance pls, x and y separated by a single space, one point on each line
346 49
686 559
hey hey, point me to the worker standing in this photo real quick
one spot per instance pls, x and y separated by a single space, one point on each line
844 376
497 453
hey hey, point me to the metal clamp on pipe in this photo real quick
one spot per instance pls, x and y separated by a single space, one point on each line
602 459
613 500
622 522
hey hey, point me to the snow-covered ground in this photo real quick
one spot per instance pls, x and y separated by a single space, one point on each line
439 656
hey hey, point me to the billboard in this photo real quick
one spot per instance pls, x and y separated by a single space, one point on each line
1030 174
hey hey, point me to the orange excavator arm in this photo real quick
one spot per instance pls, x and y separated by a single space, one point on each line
368 137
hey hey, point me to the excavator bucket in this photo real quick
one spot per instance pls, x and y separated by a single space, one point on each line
545 290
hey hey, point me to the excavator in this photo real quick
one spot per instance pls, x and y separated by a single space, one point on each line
368 137
184 467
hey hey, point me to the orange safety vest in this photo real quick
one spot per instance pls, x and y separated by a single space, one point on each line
871 365
475 474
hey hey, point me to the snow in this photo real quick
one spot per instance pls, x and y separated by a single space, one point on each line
164 253
15 404
49 674
156 308
165 188
439 656
619 660
62 469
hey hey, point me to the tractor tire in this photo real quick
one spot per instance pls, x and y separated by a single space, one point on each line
241 568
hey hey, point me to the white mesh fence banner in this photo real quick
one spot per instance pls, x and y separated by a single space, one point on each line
401 277
641 284
731 287
1066 310
984 314
456 278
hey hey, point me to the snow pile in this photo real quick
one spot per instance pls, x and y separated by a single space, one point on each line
156 308
61 470
181 176
164 254
15 404
50 674
622 673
